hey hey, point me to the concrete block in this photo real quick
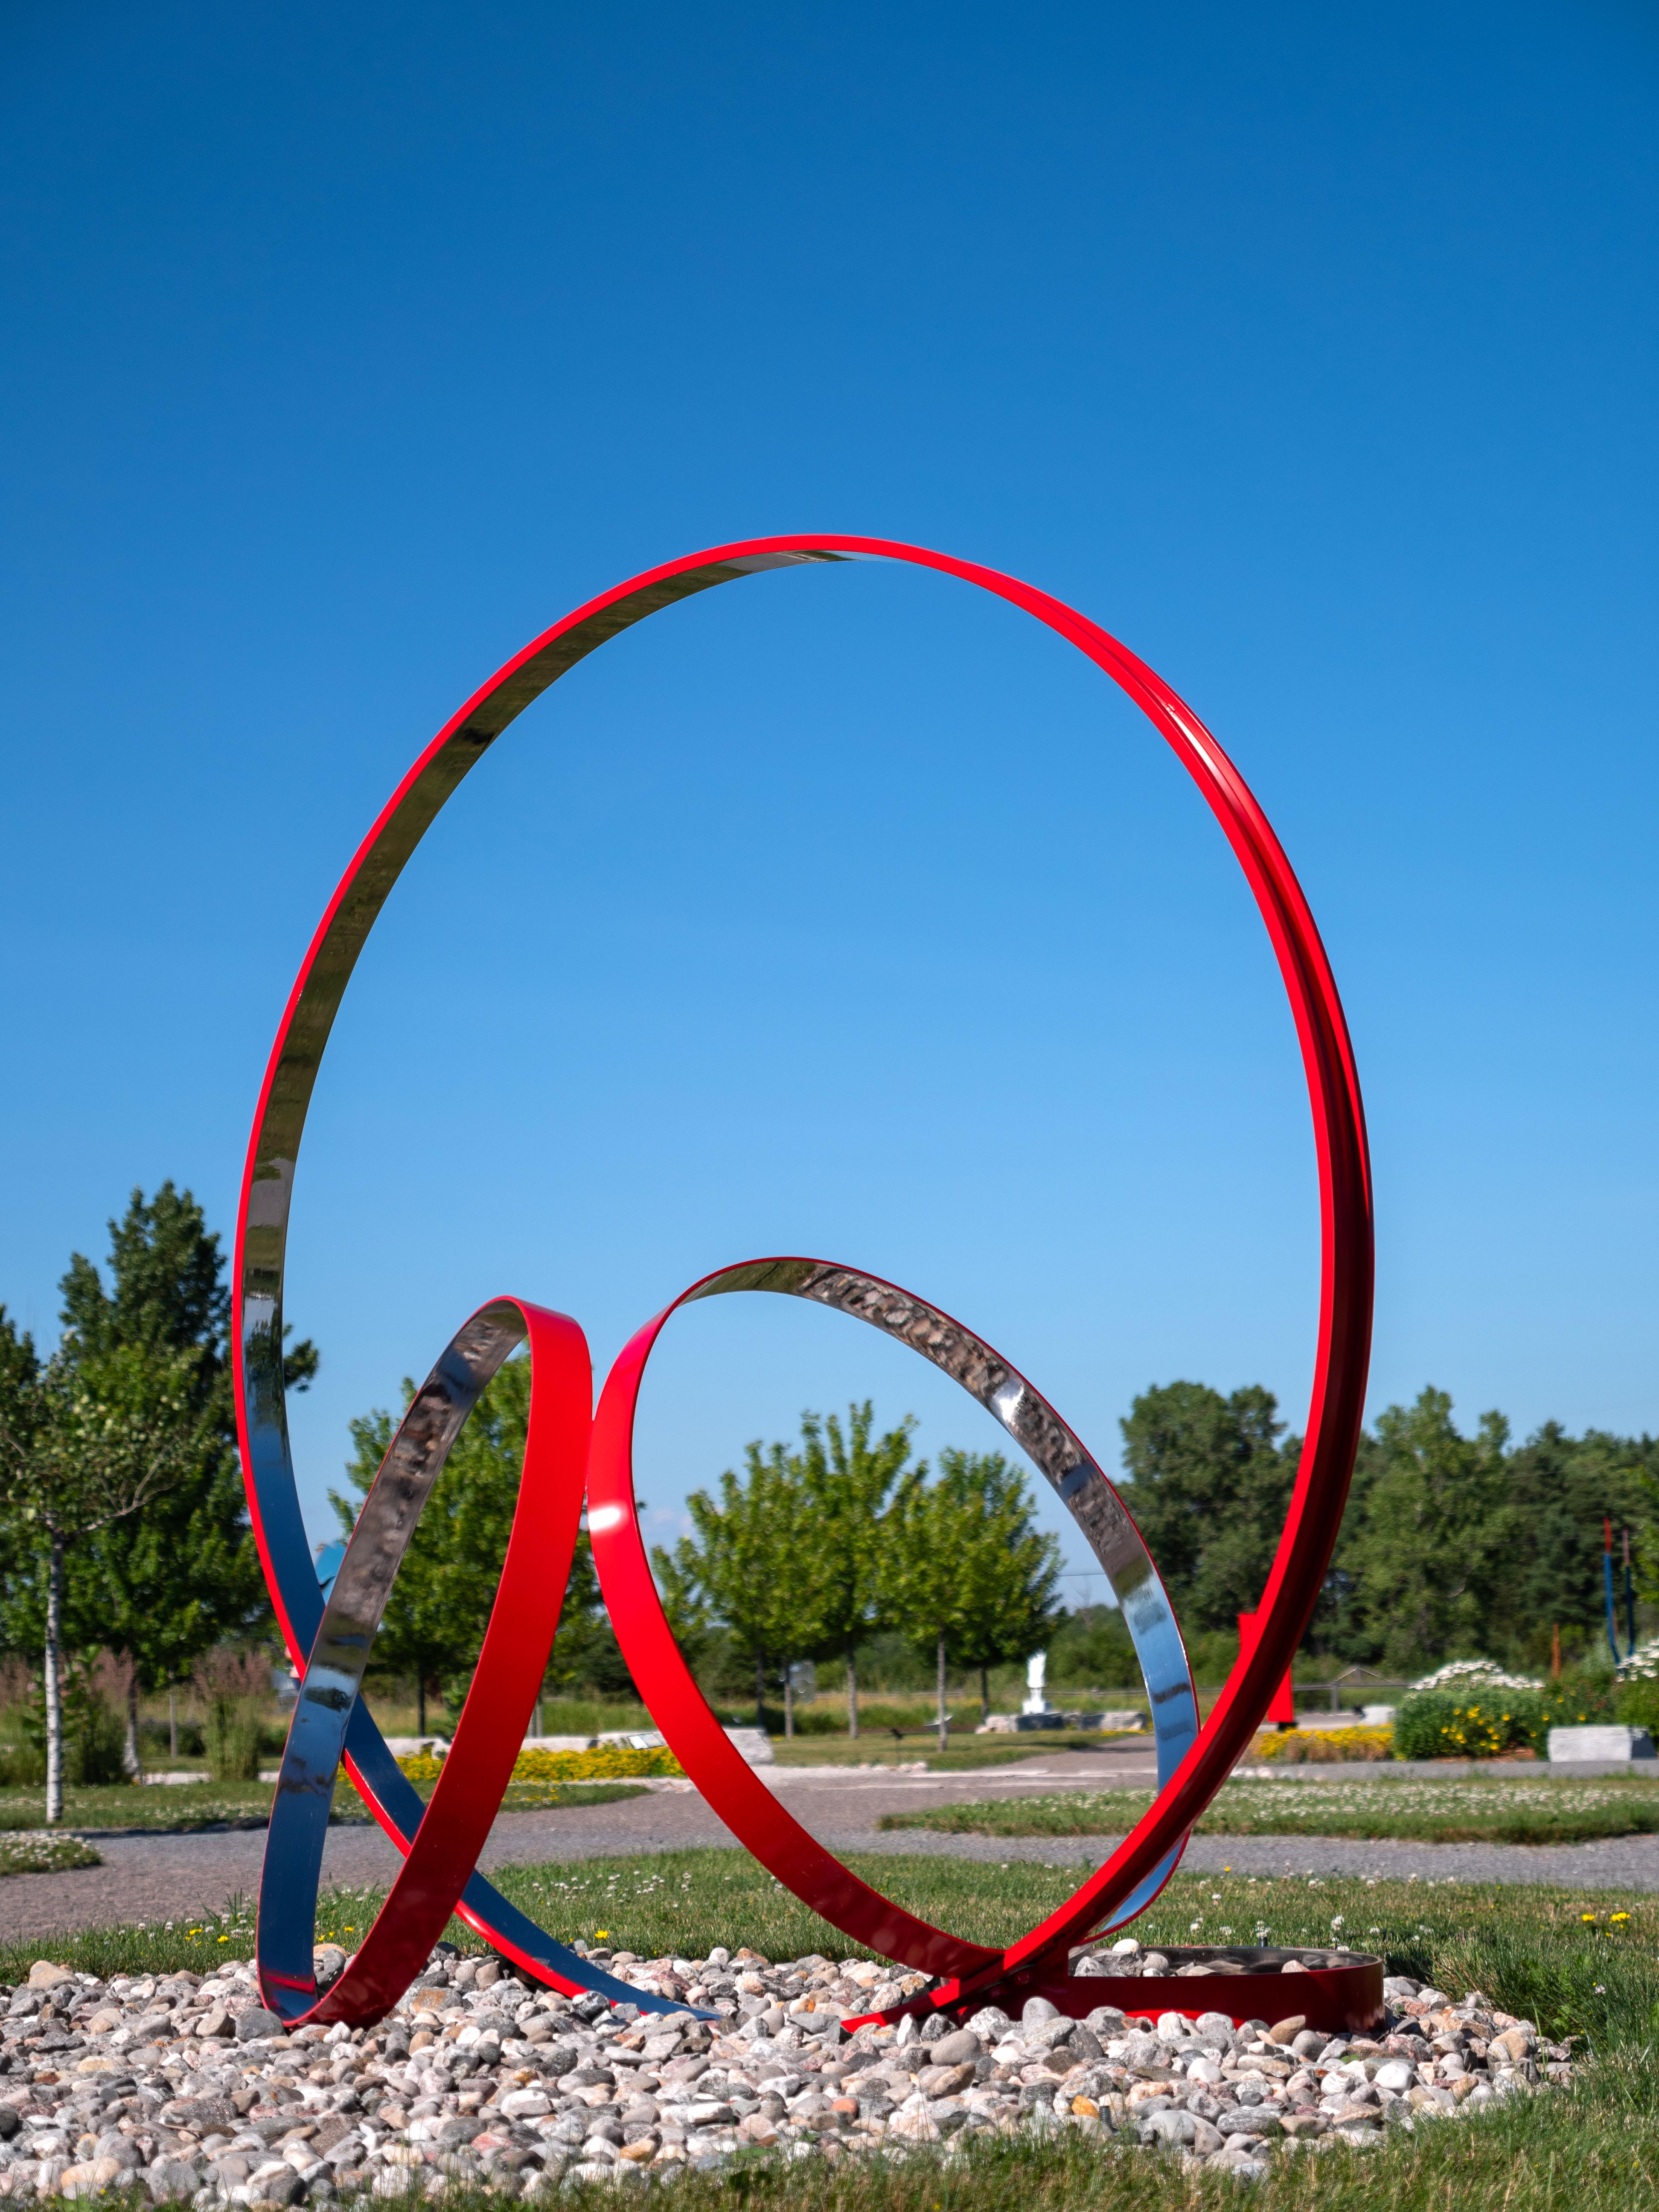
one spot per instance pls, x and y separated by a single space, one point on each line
1613 1740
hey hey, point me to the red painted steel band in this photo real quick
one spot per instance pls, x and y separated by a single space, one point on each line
743 1801
1336 1405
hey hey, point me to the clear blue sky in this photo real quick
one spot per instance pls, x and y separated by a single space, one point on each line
1312 351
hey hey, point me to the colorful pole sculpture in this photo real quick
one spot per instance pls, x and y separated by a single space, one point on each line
1606 1587
1630 1603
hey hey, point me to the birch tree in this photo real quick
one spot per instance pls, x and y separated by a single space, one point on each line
89 1445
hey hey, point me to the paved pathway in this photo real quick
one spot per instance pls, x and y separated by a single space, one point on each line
161 1877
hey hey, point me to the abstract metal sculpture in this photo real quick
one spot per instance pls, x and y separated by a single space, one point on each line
567 1458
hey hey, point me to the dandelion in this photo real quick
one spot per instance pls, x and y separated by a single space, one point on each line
1618 1916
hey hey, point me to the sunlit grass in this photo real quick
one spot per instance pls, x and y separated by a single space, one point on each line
1455 1811
1576 1967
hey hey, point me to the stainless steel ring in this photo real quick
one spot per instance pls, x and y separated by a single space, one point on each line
1088 1495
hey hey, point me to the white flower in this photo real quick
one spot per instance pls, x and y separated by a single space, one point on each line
1478 1675
1643 1665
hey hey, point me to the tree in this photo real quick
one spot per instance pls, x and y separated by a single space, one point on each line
747 1565
163 1587
1557 1489
1092 1645
847 1481
1212 1485
1428 1553
19 1370
964 1571
441 1603
93 1444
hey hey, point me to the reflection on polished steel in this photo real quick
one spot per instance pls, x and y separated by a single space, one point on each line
748 1807
505 1682
1094 1504
439 1844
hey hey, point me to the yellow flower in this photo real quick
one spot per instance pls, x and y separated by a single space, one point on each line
1619 1916
1587 1916
599 1933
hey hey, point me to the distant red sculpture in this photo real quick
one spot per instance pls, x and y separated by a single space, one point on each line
570 1458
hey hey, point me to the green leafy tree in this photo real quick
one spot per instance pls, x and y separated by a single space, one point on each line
441 1603
964 1572
1211 1484
746 1564
1428 1551
162 1586
848 1476
20 1368
1557 1490
93 1444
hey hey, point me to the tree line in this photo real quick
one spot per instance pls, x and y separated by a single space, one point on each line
123 1527
1453 1545
806 1554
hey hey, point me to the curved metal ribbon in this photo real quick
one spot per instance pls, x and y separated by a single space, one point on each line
505 1682
747 1805
1346 1270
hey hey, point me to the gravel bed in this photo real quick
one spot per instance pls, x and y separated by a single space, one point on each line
184 2088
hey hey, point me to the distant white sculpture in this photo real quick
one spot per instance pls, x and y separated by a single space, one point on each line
1036 1670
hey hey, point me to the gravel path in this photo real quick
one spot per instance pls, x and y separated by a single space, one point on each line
162 1877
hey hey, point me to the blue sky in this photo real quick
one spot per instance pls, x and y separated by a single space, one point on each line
1311 351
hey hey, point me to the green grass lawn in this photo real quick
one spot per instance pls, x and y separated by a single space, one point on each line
884 1748
178 1809
165 1807
1500 1811
1564 1961
49 1853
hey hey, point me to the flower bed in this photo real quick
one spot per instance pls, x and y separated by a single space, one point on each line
608 1762
1324 1746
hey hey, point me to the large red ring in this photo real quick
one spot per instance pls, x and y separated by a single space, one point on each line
1345 1271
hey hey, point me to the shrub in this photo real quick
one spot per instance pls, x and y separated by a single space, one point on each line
94 1755
1473 1721
234 1686
1579 1696
819 1720
95 1737
231 1737
155 1738
1637 1702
